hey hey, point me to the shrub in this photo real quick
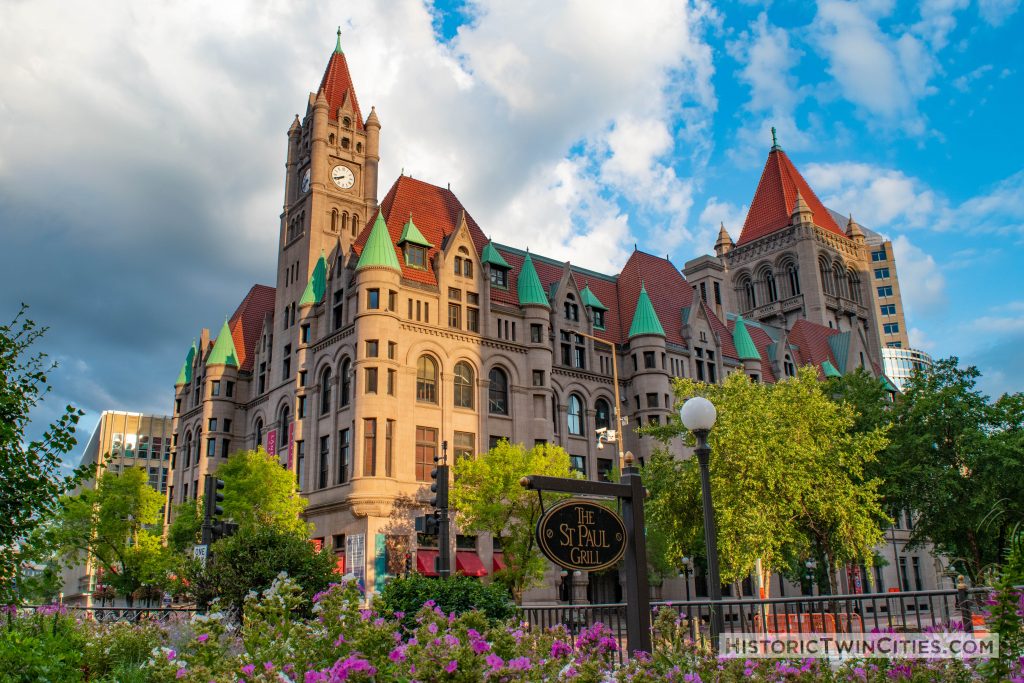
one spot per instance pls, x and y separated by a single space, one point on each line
458 594
43 645
115 650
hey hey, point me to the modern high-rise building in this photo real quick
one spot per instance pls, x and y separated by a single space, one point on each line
398 330
121 440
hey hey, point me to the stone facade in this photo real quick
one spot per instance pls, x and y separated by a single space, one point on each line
398 329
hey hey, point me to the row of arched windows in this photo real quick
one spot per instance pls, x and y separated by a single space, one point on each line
342 222
837 280
765 287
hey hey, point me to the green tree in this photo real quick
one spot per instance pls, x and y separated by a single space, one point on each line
788 479
251 559
31 481
259 492
117 525
956 460
487 497
866 395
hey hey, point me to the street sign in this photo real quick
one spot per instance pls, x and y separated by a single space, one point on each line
199 553
581 535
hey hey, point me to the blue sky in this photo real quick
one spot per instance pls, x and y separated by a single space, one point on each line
141 149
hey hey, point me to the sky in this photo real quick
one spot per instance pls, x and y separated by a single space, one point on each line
142 150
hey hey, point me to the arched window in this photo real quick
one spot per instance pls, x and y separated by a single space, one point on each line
602 414
840 280
464 385
259 432
284 417
497 394
334 220
426 380
344 221
575 415
188 448
826 277
769 286
853 282
749 295
325 391
355 223
794 279
346 382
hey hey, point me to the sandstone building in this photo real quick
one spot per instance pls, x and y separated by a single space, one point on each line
399 327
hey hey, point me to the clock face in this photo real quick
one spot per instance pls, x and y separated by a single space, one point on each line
342 177
305 181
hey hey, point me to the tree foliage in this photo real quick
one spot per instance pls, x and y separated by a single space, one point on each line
956 460
31 481
259 492
488 497
117 525
787 475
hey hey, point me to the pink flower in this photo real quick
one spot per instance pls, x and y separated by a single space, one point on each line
181 673
452 666
494 661
248 669
203 637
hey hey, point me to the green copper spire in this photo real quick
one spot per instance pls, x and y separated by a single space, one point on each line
645 320
745 349
314 292
185 376
337 48
412 234
223 352
590 299
378 250
492 256
530 290
830 370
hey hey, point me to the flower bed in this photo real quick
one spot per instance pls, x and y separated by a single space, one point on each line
346 642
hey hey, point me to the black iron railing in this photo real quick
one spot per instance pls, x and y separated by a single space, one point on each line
825 614
105 615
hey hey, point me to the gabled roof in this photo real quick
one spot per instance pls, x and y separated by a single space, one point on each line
410 233
314 292
775 197
185 376
337 87
745 348
438 215
840 345
378 250
223 351
590 299
645 320
811 345
490 255
247 323
531 291
830 370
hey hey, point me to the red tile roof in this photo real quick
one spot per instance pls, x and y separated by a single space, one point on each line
811 340
668 289
246 323
337 87
435 211
720 329
775 198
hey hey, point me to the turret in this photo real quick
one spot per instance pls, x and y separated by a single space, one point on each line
372 126
724 243
853 231
802 214
746 350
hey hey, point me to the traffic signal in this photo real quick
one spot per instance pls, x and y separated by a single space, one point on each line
214 497
223 529
427 524
408 564
439 488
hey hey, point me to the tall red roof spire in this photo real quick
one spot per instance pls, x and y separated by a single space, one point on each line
775 198
337 86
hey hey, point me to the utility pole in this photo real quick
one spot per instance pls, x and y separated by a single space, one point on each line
440 504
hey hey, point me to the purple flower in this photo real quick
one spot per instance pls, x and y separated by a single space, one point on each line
180 673
248 669
203 637
480 646
269 666
451 666
432 627
519 664
398 654
692 678
560 648
494 661
450 640
171 654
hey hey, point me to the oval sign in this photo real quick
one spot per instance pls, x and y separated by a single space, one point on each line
580 534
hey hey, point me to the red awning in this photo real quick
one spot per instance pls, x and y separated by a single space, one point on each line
468 562
339 565
498 561
425 562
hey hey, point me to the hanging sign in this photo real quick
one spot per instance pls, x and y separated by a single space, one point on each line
583 535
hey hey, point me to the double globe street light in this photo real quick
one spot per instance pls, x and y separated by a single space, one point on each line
698 415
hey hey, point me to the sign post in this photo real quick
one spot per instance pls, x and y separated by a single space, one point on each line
582 535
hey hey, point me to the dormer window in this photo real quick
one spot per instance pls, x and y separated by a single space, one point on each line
415 256
599 319
499 277
572 310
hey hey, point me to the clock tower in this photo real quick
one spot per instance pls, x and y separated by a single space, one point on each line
330 182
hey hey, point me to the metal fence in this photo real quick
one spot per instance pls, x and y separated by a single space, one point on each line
107 615
860 613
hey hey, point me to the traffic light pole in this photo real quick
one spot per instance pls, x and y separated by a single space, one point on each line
440 487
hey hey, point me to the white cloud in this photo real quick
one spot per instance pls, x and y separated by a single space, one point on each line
883 74
718 213
995 12
920 340
963 83
922 284
877 197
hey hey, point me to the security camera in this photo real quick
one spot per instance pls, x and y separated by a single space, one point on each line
601 430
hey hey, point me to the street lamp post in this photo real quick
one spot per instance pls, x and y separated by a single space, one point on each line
686 574
698 415
615 383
